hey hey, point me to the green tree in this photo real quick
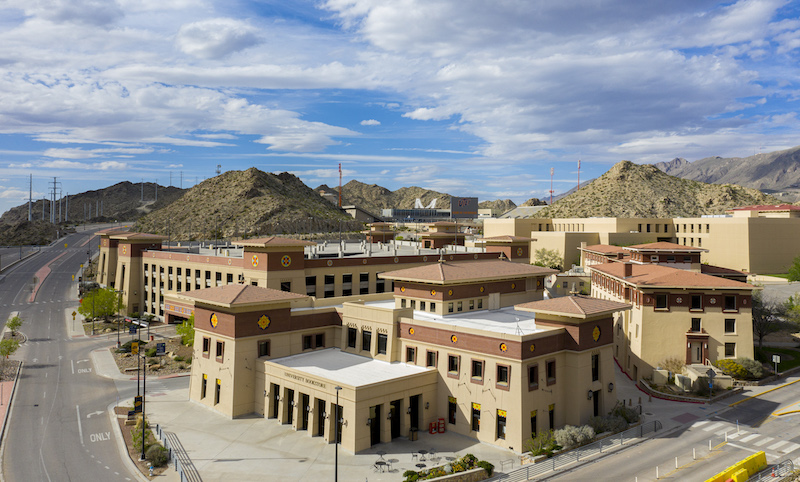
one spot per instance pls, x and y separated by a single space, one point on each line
767 316
7 348
186 330
548 258
794 271
100 302
14 324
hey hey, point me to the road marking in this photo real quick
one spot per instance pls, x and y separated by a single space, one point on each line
73 366
100 437
791 448
762 393
697 424
779 444
84 370
750 437
713 426
94 413
83 361
764 442
80 427
736 435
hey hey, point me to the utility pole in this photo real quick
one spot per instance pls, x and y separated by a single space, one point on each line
30 198
579 173
66 208
142 200
552 171
156 189
181 179
170 178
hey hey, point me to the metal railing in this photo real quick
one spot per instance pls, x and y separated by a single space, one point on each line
575 455
781 469
178 456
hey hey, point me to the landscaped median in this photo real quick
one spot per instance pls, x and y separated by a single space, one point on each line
743 470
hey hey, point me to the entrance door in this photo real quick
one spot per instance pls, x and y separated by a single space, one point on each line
290 406
394 410
494 301
414 405
320 411
596 401
304 401
375 425
697 352
276 397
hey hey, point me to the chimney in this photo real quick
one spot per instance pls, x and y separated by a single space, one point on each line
628 272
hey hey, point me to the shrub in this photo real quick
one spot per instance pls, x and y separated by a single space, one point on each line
411 476
754 369
156 455
630 415
136 434
489 468
151 352
609 423
741 368
542 444
674 365
178 358
731 368
570 436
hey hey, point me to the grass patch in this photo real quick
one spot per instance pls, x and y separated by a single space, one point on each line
782 275
789 358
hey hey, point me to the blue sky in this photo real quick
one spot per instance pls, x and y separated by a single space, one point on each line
462 96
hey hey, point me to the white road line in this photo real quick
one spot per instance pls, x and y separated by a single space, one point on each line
791 448
697 424
80 428
713 426
764 442
737 435
777 445
750 437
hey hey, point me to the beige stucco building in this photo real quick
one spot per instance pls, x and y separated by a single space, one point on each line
457 346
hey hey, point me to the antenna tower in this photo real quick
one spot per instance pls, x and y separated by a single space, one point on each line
219 169
552 171
579 173
340 184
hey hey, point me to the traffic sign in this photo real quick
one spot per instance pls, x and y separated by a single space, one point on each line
776 358
135 347
137 404
161 349
132 329
73 316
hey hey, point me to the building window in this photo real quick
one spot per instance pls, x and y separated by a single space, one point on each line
383 340
533 423
477 370
730 349
533 377
460 306
411 354
730 325
480 304
220 349
352 335
286 286
363 279
661 302
452 365
595 368
307 343
501 424
476 417
204 386
503 375
380 284
413 304
311 285
695 324
433 306
319 341
329 286
217 391
430 359
730 303
551 372
449 307
366 340
452 409
421 306
402 302
551 415
206 346
347 284
263 348
471 305
688 259
697 302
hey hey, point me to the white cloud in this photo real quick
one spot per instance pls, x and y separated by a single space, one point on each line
78 153
370 122
13 193
72 165
174 166
215 38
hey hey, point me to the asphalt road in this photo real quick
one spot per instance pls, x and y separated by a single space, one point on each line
58 428
756 430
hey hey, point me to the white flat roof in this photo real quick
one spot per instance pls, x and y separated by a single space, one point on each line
347 368
505 320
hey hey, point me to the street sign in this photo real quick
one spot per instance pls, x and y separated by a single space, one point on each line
73 277
776 358
161 349
135 347
132 329
137 404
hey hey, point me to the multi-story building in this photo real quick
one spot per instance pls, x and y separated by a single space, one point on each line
677 311
466 346
752 239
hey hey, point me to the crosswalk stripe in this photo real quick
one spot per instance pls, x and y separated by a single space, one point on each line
777 445
750 437
713 426
790 448
737 435
764 442
702 422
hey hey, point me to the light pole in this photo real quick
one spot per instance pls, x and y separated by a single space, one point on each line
119 308
336 435
144 420
88 266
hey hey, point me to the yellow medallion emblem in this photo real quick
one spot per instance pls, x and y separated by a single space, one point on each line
214 320
255 261
596 333
264 322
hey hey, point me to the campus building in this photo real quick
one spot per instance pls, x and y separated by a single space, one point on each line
680 309
468 346
751 239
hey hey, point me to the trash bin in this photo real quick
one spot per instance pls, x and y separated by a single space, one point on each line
412 434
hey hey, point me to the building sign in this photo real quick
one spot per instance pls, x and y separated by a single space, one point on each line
303 379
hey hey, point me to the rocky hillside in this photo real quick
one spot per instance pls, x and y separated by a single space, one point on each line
36 232
500 205
122 201
632 190
534 201
773 172
246 204
374 198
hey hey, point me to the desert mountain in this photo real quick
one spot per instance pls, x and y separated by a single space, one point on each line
534 201
633 190
36 232
247 204
374 198
772 172
122 201
500 205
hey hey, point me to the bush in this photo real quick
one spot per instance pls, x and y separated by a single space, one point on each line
542 444
754 369
609 423
674 365
411 476
489 468
570 436
156 455
178 358
151 352
630 415
136 434
741 368
126 347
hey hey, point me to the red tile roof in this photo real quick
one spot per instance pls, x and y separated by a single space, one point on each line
604 249
653 275
240 294
664 246
462 271
575 306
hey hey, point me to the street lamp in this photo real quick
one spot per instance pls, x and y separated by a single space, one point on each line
119 308
338 421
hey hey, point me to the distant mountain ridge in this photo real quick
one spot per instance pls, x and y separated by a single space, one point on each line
634 190
375 198
773 172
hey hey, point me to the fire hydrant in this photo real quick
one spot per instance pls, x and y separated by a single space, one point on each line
151 471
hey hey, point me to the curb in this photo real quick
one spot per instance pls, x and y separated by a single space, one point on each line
10 408
123 449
